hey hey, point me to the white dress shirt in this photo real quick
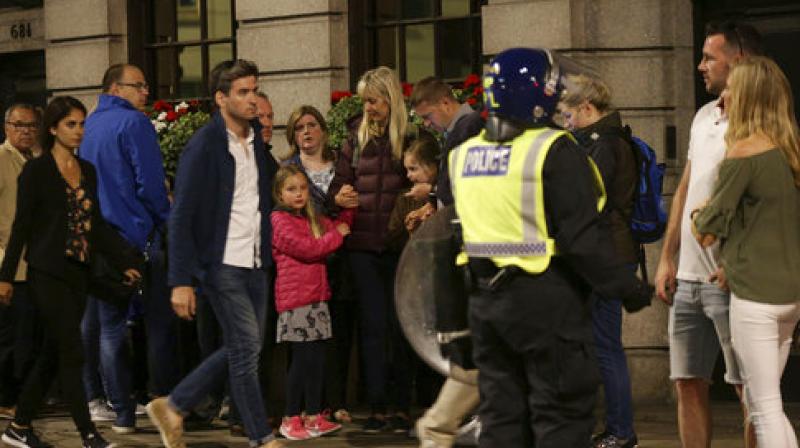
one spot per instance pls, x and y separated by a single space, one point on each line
243 243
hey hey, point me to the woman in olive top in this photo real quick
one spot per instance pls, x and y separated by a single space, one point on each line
755 212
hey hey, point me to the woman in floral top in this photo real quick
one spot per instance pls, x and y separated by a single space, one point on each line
58 223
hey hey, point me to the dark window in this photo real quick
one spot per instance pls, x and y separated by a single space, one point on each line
21 3
180 41
418 38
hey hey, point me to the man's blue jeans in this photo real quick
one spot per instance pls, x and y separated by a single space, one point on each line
239 298
105 335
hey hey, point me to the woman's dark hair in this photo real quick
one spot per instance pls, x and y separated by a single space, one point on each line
425 149
56 111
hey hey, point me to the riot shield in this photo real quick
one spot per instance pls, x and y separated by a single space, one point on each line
427 273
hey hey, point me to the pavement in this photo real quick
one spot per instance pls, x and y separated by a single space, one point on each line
655 425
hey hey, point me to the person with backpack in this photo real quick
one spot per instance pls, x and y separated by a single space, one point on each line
587 111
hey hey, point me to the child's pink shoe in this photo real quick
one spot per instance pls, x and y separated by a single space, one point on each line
318 425
293 429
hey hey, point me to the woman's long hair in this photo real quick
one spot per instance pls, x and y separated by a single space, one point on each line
327 153
58 108
761 102
308 211
382 82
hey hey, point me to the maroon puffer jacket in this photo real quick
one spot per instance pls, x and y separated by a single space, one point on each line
300 258
378 179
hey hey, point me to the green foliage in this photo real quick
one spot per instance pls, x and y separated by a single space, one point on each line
339 115
174 137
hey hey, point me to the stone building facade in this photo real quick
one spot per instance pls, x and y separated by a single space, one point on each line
646 49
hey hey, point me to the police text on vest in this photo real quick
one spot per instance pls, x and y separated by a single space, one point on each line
486 161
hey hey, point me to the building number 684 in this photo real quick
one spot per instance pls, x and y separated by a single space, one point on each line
21 30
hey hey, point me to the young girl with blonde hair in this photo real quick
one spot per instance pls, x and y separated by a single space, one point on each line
301 242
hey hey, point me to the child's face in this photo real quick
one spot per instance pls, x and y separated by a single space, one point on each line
294 193
418 173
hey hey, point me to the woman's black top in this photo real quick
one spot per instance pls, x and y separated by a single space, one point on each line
42 223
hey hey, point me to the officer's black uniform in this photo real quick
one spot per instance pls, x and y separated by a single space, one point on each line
532 333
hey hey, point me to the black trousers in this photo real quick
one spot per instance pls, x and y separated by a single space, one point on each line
9 386
538 375
61 305
305 379
20 341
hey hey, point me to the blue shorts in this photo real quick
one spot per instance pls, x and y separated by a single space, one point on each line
698 327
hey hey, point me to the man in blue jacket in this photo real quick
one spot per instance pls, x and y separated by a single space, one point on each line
220 238
121 143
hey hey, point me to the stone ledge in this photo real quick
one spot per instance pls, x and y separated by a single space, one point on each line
86 18
94 56
312 42
254 9
542 23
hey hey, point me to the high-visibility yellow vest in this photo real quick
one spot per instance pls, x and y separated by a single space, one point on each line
499 197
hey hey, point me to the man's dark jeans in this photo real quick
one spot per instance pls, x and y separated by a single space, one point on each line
239 297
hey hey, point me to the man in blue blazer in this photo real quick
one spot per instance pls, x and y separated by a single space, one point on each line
219 237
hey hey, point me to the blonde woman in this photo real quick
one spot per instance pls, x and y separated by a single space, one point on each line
755 212
587 111
369 176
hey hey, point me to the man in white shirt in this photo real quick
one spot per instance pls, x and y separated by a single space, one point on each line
219 237
698 319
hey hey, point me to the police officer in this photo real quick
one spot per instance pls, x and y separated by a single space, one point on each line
528 199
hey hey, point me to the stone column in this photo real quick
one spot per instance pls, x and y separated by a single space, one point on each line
301 48
84 37
643 49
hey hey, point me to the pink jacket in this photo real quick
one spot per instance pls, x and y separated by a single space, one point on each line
300 258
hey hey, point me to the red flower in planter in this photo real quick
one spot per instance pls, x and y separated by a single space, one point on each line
472 80
477 91
471 101
194 104
162 106
407 88
338 95
485 114
172 115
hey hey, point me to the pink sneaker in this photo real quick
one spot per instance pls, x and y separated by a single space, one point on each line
318 425
293 429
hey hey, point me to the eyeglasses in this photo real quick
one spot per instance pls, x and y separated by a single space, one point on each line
135 85
311 125
21 125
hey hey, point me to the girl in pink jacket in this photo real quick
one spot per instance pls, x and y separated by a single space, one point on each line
301 241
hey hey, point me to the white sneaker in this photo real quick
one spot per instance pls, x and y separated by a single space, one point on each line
123 429
101 412
140 409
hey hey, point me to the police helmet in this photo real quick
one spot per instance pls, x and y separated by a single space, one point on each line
523 85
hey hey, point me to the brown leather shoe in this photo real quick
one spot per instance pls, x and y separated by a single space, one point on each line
277 443
159 412
8 413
